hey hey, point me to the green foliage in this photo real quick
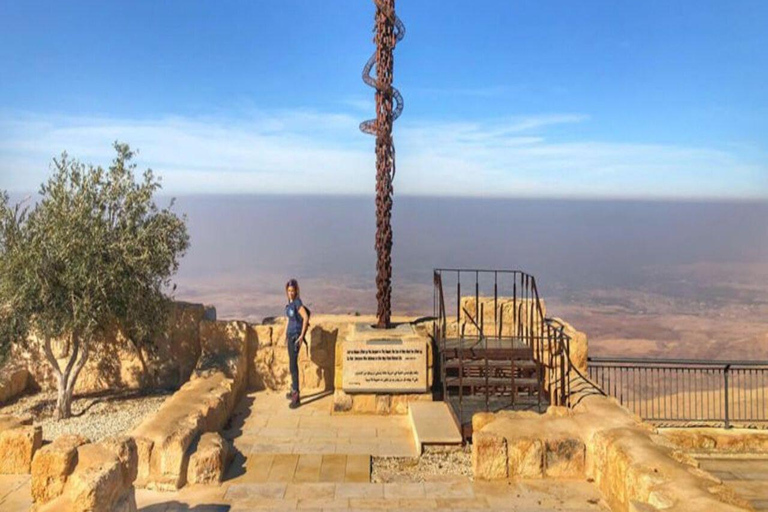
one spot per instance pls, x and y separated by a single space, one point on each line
93 253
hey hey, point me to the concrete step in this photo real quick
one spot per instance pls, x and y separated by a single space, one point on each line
433 423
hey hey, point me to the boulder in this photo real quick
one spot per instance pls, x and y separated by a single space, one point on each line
100 480
489 456
564 457
52 465
526 458
19 441
210 460
13 382
203 404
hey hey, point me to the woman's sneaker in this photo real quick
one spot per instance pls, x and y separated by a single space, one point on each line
294 400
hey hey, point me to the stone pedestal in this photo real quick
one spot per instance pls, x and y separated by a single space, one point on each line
379 371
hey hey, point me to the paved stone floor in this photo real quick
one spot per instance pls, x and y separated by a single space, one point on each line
746 474
308 459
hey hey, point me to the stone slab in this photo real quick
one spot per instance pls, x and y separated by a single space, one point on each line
384 365
433 423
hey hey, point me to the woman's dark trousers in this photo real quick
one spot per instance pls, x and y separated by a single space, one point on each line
293 361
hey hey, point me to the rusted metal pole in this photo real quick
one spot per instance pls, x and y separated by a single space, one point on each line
389 104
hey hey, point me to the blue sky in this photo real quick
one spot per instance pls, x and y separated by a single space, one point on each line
651 99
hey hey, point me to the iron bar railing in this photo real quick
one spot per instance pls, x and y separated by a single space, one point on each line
502 312
686 390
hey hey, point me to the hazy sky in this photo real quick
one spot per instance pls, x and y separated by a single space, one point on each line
649 98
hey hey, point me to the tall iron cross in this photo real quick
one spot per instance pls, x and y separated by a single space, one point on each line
389 30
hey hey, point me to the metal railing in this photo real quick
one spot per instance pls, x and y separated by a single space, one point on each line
686 391
500 309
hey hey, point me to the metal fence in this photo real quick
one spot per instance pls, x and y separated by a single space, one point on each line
686 391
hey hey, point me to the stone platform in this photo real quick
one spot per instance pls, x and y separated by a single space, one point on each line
309 459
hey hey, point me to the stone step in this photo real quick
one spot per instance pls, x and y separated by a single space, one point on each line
433 423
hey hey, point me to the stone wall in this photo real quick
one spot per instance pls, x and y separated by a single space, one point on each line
268 356
634 466
718 440
14 381
116 363
74 475
19 441
507 318
170 437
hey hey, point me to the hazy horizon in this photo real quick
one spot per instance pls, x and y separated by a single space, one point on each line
671 274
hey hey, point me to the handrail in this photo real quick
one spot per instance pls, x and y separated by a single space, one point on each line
547 341
699 362
686 390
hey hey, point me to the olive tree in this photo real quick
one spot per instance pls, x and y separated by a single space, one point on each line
93 253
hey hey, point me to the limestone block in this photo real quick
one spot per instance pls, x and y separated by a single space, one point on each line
564 458
18 445
13 382
169 457
578 347
52 465
383 404
97 482
224 347
178 348
126 450
526 457
144 453
720 440
317 360
481 419
363 403
511 313
209 462
489 456
342 402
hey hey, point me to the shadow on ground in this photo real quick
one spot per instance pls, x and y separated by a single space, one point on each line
177 506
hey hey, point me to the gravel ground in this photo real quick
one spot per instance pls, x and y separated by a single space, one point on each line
93 416
431 466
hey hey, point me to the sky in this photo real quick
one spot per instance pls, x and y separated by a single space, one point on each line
503 98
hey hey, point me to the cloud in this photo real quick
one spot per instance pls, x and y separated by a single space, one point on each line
305 151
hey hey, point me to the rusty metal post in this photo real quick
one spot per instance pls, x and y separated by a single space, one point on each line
389 104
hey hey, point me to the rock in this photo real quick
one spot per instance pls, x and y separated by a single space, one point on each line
564 458
735 440
489 456
363 403
126 451
209 462
342 402
526 458
98 480
13 382
18 445
52 465
383 404
511 312
203 404
481 419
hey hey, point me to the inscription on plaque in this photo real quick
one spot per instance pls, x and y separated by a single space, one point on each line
390 366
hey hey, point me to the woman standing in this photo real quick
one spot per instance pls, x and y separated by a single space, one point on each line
298 322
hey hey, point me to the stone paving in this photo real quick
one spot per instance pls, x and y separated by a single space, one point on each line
745 474
308 459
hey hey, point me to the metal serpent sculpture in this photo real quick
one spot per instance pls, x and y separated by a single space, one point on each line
389 30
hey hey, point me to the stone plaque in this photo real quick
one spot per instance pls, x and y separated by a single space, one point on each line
384 366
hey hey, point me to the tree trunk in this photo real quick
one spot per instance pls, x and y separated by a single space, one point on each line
63 400
67 377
